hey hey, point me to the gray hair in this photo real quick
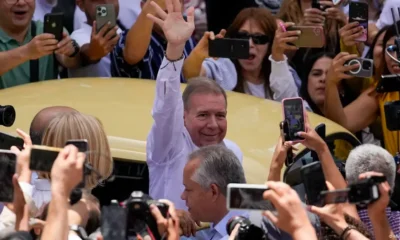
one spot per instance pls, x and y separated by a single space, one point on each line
218 165
201 85
367 158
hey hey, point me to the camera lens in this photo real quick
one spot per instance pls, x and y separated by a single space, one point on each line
7 115
366 65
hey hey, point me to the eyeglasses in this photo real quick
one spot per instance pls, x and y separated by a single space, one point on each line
12 2
258 39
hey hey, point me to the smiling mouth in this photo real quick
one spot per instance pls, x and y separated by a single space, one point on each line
20 13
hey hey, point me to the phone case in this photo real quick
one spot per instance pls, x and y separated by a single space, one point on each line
7 171
43 158
364 71
358 12
314 182
54 24
7 141
245 186
310 37
105 14
229 48
284 117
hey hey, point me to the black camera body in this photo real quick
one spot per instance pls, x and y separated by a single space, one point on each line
247 230
365 191
132 217
392 114
7 115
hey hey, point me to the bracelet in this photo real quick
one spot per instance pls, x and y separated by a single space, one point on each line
346 230
172 61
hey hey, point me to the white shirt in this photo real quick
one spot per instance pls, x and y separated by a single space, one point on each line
42 8
169 143
255 89
102 68
386 18
129 11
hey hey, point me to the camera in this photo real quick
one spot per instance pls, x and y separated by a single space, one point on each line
365 69
7 115
392 114
132 217
247 230
365 191
102 11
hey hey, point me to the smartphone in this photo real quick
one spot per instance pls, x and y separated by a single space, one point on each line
284 128
82 145
7 141
336 196
229 48
105 13
358 12
114 221
293 114
363 192
314 182
310 37
8 161
365 69
321 130
54 24
247 197
43 158
389 83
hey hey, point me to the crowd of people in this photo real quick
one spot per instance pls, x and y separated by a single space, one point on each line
190 161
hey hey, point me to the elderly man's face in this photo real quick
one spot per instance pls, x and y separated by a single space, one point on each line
198 200
16 14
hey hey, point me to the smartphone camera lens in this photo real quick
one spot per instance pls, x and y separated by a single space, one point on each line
366 65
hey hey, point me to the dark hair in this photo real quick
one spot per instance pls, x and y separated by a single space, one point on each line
304 78
267 23
390 32
201 85
370 53
329 234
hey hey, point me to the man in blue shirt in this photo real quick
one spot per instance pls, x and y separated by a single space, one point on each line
140 51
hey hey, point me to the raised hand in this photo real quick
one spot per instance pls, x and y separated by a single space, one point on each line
350 32
102 42
176 30
41 45
313 17
282 40
334 12
337 71
201 48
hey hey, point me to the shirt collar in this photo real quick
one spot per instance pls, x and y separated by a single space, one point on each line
5 38
221 225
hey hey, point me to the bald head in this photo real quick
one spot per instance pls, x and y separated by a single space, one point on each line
42 120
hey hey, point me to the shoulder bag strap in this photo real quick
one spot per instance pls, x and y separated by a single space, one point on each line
34 64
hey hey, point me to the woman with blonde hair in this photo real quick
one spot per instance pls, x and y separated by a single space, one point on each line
70 126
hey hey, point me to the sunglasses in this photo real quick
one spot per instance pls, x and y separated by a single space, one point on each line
258 39
391 48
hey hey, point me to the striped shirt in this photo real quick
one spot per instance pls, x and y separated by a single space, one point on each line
148 67
393 217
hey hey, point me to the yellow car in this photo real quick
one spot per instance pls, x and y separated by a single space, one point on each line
124 106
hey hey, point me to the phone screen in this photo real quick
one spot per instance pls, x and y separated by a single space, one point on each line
337 196
82 145
363 192
114 222
7 170
358 12
314 182
294 116
249 198
42 159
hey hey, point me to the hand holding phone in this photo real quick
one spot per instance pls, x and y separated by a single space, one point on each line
314 182
358 12
284 40
364 69
105 17
310 36
338 71
294 115
229 48
314 16
8 161
247 197
54 24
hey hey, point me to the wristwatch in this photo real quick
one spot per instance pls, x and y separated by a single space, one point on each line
76 47
79 230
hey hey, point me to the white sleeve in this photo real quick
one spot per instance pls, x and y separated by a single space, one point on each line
81 36
223 71
73 237
281 80
386 19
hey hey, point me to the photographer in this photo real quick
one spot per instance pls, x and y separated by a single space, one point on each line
367 158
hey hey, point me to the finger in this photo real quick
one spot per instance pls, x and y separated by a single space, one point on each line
156 20
290 40
49 49
45 36
177 6
171 208
100 237
49 42
329 186
316 210
314 11
111 33
169 4
24 136
290 34
63 50
211 35
272 196
65 42
15 150
271 217
327 3
289 24
190 15
193 227
234 232
370 174
80 160
349 68
159 11
94 28
221 33
156 212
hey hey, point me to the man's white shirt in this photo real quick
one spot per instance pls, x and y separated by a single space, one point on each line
101 69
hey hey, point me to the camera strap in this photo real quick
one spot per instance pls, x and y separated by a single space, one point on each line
34 63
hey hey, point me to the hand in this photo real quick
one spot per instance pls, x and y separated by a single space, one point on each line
280 153
292 217
67 173
313 17
234 232
19 207
37 226
78 214
103 42
202 46
169 226
65 46
282 40
187 224
331 214
41 45
27 139
23 159
333 12
312 140
176 30
337 71
378 208
350 32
